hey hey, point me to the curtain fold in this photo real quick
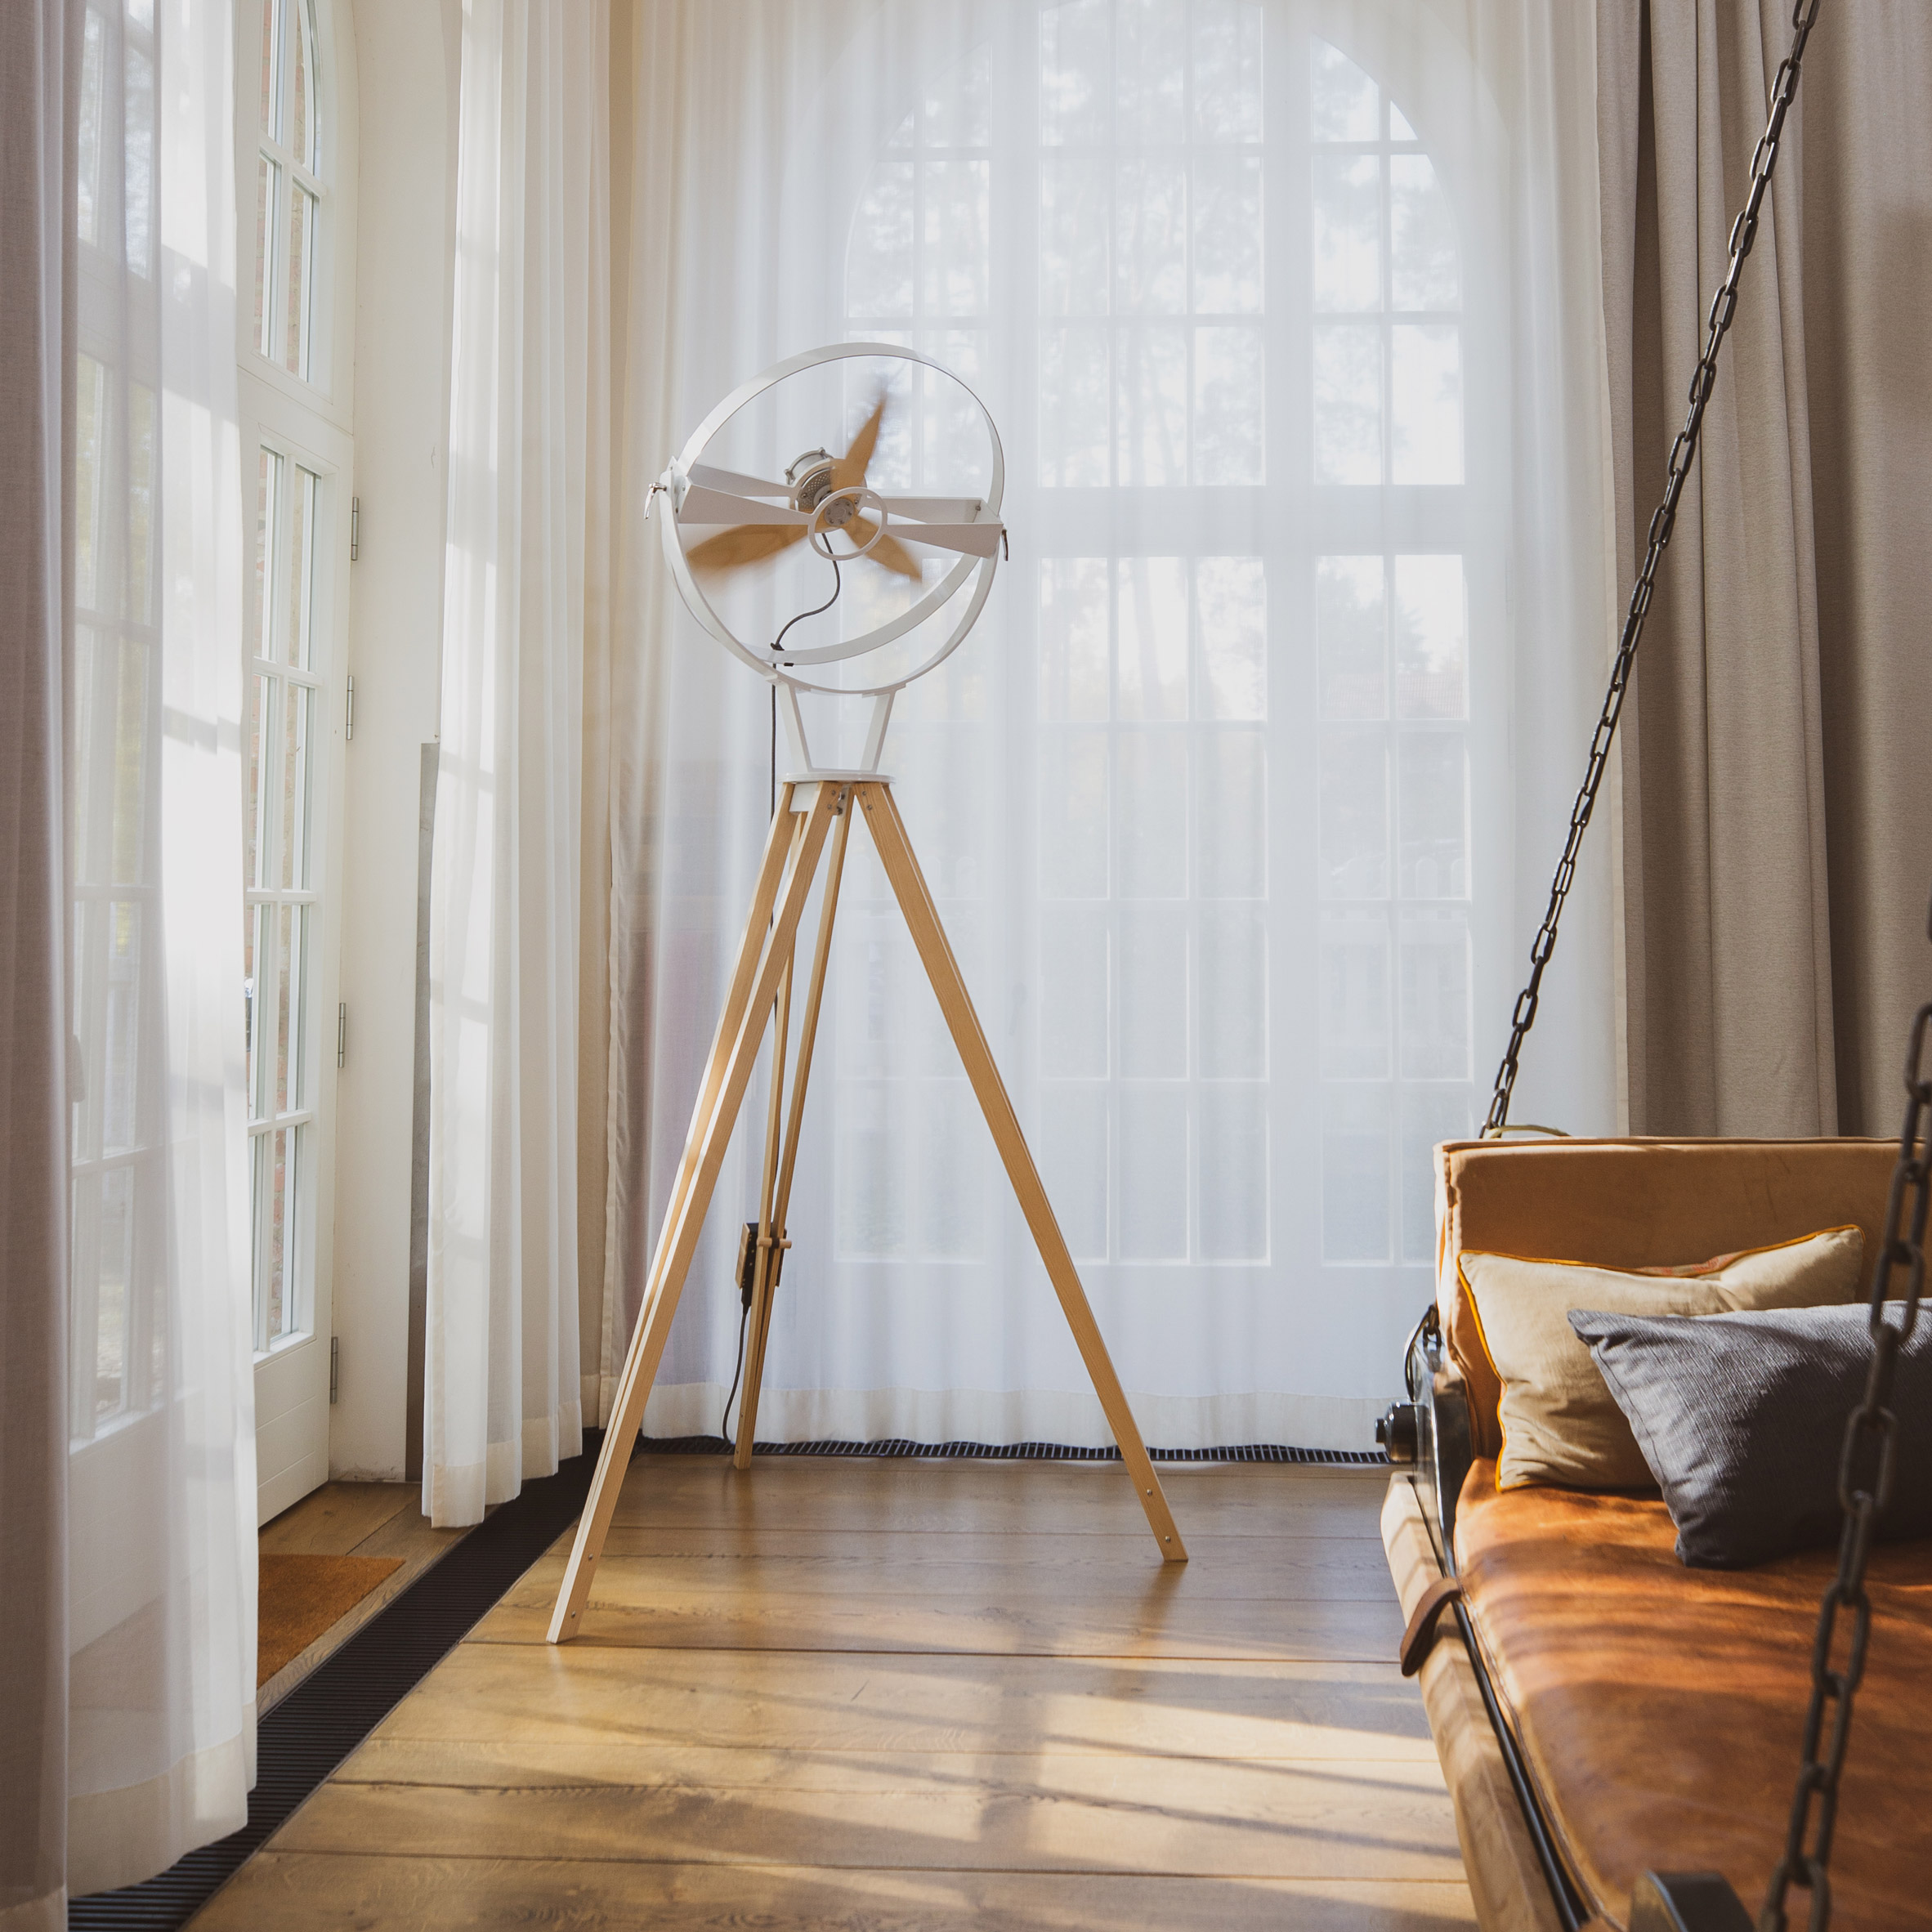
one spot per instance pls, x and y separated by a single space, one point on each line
160 1393
1239 803
528 381
39 78
1775 868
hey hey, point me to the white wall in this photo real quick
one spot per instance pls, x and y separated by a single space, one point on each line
407 61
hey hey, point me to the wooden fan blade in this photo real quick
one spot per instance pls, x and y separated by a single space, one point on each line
888 550
749 542
849 471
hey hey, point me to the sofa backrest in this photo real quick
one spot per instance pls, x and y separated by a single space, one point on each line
1636 1204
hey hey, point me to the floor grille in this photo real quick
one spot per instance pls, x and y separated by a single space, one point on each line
901 1446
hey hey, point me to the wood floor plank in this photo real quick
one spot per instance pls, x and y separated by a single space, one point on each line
1060 1499
1342 1819
586 1694
967 1563
336 1518
1148 1625
302 1892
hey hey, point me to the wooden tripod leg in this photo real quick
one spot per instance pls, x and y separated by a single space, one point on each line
771 1260
704 1153
942 969
765 1260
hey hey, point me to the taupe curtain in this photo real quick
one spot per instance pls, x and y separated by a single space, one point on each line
1778 842
38 72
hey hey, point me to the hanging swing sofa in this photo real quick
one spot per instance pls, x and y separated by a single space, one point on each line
1599 1708
1621 1731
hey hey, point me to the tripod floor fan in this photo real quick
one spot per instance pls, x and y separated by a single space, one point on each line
715 523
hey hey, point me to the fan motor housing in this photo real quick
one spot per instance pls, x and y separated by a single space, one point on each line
810 477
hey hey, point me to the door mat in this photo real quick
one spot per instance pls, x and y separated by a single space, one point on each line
301 1596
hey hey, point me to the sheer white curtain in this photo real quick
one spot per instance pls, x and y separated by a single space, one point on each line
1239 803
504 1390
160 1397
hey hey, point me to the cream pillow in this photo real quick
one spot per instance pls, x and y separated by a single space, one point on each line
1560 1424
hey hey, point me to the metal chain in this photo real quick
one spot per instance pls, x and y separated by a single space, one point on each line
1870 1431
1723 306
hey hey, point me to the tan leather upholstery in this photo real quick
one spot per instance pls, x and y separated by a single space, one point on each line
1659 1709
1633 1204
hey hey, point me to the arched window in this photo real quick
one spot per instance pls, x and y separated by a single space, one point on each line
1209 269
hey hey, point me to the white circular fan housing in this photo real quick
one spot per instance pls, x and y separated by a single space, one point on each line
826 503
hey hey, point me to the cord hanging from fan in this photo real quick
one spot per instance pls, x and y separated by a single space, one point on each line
1723 306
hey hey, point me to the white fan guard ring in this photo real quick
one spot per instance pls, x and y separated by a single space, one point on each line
676 481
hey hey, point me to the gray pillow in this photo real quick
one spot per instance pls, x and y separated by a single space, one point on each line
1742 1419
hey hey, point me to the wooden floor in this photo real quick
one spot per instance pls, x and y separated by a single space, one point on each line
887 1695
351 1519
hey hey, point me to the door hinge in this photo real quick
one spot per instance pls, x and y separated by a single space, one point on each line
349 710
335 1366
342 1033
354 527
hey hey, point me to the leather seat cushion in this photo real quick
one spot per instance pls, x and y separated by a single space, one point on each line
1659 1710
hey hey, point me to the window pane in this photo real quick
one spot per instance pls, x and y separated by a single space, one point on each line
1354 787
114 1300
1355 1173
1435 998
1152 406
1348 403
1233 1173
1073 815
1424 271
1150 1002
1075 58
90 482
1074 997
879 259
1074 227
1347 244
143 477
1231 601
93 126
301 119
1433 864
1431 638
302 262
1229 405
1354 1016
1427 402
1151 237
1073 659
1153 1174
1153 811
304 507
1153 651
1075 382
268 484
1227 234
293 872
1150 72
139 167
1232 836
268 205
957 243
1227 70
1348 633
271 22
1232 994
1342 98
258 950
255 831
